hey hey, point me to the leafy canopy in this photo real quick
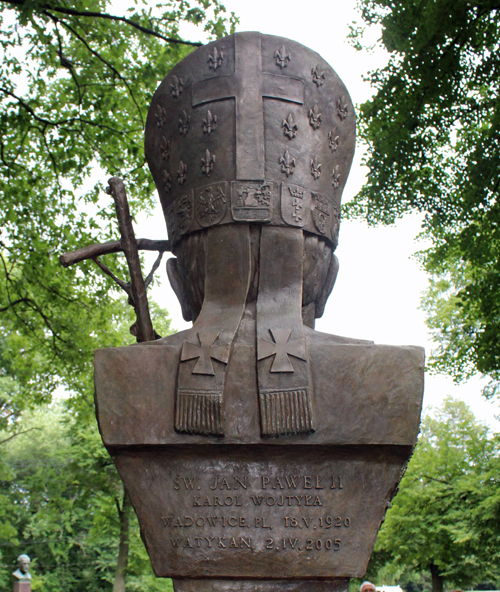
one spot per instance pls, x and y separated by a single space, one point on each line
59 493
433 134
75 86
445 518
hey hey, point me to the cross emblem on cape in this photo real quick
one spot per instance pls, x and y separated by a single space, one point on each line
205 350
281 347
248 86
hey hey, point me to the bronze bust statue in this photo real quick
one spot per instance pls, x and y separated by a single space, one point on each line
22 573
247 443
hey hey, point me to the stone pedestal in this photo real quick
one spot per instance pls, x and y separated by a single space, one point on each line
21 586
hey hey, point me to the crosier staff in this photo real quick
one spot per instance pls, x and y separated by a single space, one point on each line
142 329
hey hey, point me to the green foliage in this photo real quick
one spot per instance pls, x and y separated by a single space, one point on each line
433 130
446 515
59 492
75 86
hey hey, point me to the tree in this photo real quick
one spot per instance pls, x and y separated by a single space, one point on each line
433 130
75 85
445 518
59 492
61 499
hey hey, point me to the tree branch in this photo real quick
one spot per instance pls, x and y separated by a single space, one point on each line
11 304
18 434
99 57
156 264
111 17
123 285
92 251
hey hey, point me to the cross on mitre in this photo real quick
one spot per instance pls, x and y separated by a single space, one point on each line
281 348
205 350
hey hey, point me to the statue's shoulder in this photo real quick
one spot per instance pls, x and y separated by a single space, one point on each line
22 576
317 337
175 339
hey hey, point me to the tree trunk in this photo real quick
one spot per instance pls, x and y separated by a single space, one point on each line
121 567
437 580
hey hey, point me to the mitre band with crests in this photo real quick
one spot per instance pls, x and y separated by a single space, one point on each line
250 129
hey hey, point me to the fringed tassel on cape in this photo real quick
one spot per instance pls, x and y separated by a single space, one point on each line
199 413
286 412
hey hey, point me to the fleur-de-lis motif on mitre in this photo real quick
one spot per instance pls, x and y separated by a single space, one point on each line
342 109
314 117
165 148
318 76
207 163
184 123
215 61
167 180
182 173
333 140
209 123
315 168
287 163
282 57
161 116
290 127
176 87
335 178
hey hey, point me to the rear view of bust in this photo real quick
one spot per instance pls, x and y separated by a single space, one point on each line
256 451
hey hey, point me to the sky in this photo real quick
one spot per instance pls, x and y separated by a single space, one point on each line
379 286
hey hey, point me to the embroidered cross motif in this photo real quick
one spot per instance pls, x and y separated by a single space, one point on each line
182 173
167 180
281 347
161 116
205 350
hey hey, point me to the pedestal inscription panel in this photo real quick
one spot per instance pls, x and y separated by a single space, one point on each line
231 511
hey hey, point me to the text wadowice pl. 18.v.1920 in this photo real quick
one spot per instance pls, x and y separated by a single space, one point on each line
257 452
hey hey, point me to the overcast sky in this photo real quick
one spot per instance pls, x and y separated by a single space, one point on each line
378 289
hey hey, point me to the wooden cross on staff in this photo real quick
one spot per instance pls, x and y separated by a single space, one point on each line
142 329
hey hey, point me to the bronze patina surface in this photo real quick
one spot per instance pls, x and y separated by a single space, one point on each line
258 453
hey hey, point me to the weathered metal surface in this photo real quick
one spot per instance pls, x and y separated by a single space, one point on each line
241 511
256 452
239 506
265 125
363 395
